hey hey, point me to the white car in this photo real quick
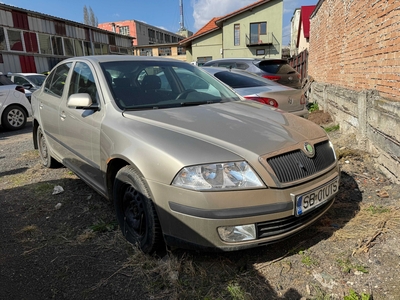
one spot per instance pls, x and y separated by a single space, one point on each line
14 106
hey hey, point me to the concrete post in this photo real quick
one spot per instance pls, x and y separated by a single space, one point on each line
362 119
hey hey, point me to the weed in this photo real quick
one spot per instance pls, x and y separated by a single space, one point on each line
313 107
355 296
332 128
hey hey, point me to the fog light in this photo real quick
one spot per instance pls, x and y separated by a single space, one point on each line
237 233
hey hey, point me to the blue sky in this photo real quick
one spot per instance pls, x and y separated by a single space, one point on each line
161 13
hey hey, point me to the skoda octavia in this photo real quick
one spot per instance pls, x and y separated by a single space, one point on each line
186 161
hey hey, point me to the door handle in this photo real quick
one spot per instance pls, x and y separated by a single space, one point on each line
63 115
40 106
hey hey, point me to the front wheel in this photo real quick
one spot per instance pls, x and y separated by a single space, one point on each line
14 117
135 210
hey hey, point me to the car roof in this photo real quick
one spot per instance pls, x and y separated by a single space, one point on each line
111 58
247 59
26 74
214 70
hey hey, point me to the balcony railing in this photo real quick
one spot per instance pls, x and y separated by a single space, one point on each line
262 40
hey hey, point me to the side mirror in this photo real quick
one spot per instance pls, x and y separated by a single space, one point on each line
27 86
81 101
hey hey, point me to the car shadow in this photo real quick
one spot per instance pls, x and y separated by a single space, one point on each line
5 134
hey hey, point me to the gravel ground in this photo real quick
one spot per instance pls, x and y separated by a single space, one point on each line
67 246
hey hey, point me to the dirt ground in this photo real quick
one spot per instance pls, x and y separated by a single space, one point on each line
65 244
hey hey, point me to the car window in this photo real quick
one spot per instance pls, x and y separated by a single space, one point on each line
82 81
56 83
37 79
227 64
235 80
276 67
242 66
20 80
5 81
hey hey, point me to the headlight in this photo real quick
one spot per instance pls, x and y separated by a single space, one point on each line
231 175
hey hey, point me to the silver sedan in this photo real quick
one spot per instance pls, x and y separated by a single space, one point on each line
253 87
187 163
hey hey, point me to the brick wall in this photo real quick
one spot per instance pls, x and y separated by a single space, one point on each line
356 45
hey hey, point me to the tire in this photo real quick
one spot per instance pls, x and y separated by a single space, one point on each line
44 153
14 117
135 211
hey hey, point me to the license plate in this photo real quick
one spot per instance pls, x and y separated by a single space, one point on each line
312 199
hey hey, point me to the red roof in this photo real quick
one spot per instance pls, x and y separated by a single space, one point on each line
305 14
213 24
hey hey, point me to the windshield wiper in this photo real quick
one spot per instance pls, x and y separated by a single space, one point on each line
194 103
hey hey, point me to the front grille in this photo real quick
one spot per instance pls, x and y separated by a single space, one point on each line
281 226
296 165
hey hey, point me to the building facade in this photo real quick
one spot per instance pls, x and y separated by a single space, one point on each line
253 31
35 42
143 33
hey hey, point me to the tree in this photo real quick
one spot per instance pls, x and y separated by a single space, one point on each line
89 18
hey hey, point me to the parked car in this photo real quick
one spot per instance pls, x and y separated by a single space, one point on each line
273 69
30 81
189 164
14 106
256 88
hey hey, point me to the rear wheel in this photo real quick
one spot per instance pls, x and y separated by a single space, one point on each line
14 117
135 210
44 152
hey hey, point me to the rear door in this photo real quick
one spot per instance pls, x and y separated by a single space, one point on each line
48 103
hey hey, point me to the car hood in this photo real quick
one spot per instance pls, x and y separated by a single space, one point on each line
239 126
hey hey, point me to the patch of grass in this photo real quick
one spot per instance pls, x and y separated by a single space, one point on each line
377 209
332 128
44 188
102 226
307 260
353 295
347 266
313 107
236 291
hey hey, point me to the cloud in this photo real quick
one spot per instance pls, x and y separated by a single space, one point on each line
205 10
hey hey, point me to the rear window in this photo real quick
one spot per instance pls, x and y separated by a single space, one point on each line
235 80
276 67
5 80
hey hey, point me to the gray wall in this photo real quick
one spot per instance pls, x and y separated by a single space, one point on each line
374 120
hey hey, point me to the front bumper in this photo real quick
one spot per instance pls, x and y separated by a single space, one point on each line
190 219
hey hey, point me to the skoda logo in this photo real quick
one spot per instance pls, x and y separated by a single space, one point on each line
309 150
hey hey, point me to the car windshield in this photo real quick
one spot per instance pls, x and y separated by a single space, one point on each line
162 84
37 79
236 80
